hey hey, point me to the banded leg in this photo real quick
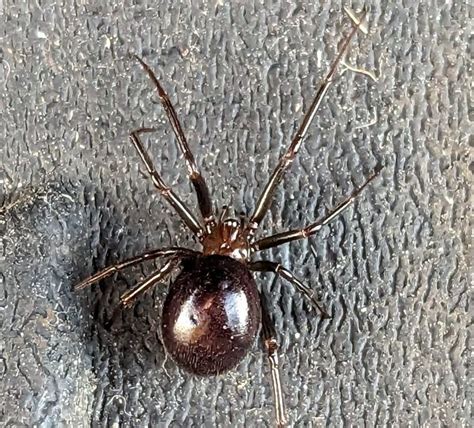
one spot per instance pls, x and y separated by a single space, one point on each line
287 159
271 347
183 211
202 191
151 255
293 235
268 266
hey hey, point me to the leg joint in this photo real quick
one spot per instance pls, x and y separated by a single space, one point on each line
271 345
279 268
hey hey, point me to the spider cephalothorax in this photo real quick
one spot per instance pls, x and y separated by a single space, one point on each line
227 237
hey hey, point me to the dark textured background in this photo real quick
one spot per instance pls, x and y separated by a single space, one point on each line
392 270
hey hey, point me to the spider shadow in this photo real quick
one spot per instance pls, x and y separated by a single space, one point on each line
58 233
129 338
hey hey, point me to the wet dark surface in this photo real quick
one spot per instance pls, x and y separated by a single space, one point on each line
392 271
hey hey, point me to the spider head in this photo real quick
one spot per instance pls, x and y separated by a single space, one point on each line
227 238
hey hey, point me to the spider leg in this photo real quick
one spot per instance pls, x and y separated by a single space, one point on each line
154 254
128 298
268 266
271 347
287 159
183 211
292 235
202 191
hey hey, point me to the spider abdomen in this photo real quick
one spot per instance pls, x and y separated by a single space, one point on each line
211 315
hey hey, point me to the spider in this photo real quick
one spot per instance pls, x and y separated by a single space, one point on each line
213 310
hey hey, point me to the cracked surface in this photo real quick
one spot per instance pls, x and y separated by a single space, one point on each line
392 271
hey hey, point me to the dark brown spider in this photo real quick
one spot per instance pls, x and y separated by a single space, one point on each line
213 310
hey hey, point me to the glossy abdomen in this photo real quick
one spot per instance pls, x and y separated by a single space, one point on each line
211 315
